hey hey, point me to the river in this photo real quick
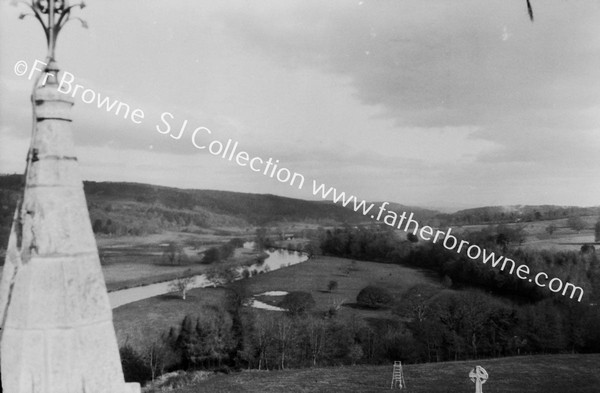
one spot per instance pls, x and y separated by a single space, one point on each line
277 259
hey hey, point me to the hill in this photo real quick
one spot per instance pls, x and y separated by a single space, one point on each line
422 213
516 213
522 374
139 209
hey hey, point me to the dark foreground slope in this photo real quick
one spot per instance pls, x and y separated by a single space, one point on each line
524 374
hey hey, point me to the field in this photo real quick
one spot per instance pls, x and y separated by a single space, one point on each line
314 275
139 322
135 260
562 239
524 374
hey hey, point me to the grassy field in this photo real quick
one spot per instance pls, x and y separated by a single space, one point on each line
524 374
314 275
139 322
563 239
138 260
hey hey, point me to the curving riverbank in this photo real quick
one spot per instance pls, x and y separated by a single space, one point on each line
275 260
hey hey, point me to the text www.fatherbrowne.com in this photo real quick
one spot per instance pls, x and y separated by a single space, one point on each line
449 241
272 168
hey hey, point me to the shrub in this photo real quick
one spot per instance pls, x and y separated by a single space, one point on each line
332 285
211 255
173 254
177 380
374 297
355 353
236 242
134 367
298 302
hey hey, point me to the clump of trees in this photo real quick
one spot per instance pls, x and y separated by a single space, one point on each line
182 285
458 270
433 325
374 297
221 252
298 302
135 369
576 223
174 254
332 285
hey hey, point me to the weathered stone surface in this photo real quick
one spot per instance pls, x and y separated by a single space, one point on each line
52 104
57 330
54 138
56 221
54 171
63 360
70 291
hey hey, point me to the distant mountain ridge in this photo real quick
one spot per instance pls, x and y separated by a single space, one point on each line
420 212
517 213
134 208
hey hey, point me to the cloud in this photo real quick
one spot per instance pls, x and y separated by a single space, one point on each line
412 101
439 63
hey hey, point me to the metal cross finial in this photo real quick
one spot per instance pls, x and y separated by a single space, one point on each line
53 15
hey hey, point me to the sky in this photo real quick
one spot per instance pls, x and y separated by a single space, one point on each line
446 104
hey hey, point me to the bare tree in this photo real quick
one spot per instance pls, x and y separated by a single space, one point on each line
182 285
332 285
156 357
174 254
416 302
221 275
576 223
284 337
335 304
316 331
264 338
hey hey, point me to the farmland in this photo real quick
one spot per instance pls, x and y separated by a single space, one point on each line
140 260
142 321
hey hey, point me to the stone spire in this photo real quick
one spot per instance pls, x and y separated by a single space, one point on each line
57 332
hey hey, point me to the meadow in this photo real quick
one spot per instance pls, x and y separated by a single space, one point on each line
522 374
141 322
537 237
351 276
130 261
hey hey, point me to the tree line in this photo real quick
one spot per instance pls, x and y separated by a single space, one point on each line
430 326
383 245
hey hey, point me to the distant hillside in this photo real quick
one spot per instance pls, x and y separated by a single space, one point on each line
132 208
136 209
516 213
422 213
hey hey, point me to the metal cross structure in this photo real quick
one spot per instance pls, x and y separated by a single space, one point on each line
53 15
398 376
57 333
479 376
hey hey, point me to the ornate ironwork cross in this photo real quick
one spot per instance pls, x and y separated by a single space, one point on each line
53 15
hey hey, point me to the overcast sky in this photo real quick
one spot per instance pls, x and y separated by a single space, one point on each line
439 103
